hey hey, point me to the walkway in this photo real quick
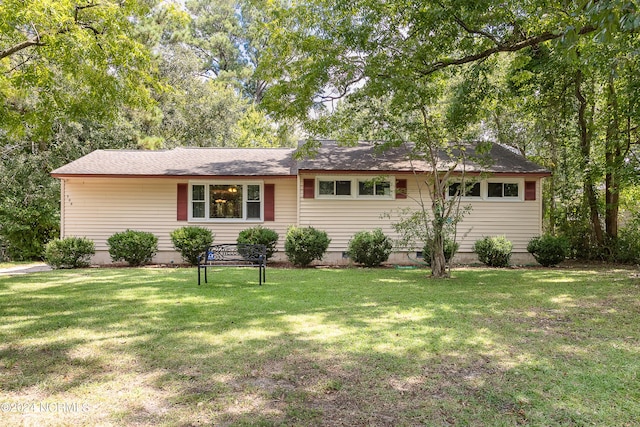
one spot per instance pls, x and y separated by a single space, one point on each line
24 269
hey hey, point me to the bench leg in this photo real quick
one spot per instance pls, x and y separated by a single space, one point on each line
262 276
198 275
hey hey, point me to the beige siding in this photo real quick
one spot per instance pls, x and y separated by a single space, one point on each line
519 221
97 208
342 218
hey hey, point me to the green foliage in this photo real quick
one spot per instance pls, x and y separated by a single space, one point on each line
70 252
548 250
60 58
370 248
29 205
191 241
627 248
582 244
450 249
493 251
303 245
260 236
134 247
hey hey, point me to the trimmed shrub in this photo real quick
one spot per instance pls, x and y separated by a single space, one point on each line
70 252
191 241
450 249
134 247
370 248
303 245
493 251
260 236
548 250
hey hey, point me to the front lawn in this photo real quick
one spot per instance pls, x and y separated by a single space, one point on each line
320 347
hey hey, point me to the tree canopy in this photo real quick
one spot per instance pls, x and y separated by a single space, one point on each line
556 80
435 72
71 59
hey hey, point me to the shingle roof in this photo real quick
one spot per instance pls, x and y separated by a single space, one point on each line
280 162
365 157
184 162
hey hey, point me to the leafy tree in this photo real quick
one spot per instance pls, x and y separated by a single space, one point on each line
29 205
226 37
75 59
584 102
422 71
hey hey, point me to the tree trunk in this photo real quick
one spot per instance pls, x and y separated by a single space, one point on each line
551 208
438 262
585 149
613 154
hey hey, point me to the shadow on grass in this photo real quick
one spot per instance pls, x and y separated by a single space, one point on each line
374 347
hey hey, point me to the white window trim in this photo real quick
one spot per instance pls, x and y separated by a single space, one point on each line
354 179
207 204
484 191
519 181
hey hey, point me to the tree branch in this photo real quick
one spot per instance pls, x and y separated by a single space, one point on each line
34 41
37 41
505 47
477 32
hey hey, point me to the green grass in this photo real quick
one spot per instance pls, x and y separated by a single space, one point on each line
321 347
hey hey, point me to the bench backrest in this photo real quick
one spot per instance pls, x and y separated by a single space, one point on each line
235 253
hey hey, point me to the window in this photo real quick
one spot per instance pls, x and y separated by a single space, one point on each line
334 188
374 188
354 187
226 201
503 189
197 201
470 190
509 190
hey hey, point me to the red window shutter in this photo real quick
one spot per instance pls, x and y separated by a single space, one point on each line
183 202
308 188
269 202
401 188
530 190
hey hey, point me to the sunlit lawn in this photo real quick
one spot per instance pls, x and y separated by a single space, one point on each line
320 347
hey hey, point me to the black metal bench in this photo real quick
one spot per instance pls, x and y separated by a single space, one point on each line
234 255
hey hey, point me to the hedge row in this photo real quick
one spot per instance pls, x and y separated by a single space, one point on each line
302 246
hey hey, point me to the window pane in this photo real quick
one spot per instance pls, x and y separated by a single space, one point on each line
253 192
343 188
197 192
325 187
198 209
453 189
495 189
365 188
471 190
511 190
383 188
253 210
225 201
